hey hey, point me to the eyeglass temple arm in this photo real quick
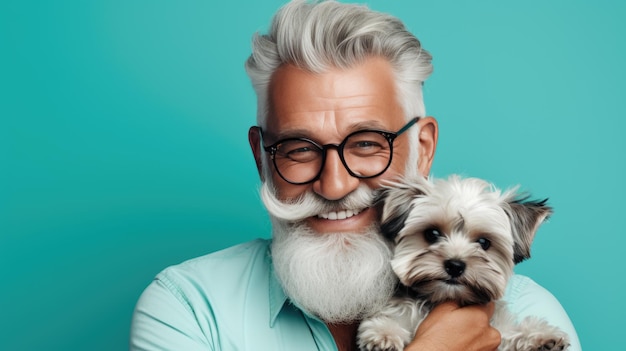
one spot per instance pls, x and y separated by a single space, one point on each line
408 125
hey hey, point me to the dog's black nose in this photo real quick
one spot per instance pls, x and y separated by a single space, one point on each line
454 267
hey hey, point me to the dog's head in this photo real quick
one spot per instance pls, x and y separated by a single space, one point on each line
458 239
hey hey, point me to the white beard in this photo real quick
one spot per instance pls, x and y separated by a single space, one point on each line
338 277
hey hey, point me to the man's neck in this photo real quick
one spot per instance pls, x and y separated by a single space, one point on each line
344 335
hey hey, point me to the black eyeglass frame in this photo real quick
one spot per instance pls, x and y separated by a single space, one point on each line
389 136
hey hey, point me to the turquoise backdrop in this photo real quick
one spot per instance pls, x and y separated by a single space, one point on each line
123 146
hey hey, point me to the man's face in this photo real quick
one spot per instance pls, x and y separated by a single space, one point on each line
335 268
326 108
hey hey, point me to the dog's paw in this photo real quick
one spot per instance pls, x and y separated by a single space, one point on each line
554 345
382 337
538 335
547 343
382 342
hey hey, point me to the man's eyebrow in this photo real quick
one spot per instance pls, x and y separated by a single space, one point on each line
372 124
305 133
288 134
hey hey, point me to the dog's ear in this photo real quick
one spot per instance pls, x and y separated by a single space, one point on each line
395 201
526 216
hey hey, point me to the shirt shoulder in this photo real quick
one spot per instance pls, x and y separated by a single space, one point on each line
201 303
525 297
220 277
240 258
227 300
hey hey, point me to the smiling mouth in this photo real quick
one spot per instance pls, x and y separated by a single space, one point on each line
337 215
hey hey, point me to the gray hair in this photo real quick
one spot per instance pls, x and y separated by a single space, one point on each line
317 36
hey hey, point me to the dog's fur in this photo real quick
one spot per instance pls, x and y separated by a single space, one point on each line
456 239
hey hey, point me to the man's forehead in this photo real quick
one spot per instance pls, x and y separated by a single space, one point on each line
333 104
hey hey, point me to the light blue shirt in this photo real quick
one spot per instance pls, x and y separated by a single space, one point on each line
231 300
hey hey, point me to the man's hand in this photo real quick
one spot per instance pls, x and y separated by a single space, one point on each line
449 327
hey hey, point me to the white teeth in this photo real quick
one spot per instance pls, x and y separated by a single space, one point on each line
343 214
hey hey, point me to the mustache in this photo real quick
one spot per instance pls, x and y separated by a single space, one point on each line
311 204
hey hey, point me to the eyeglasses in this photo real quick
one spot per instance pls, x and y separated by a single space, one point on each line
364 153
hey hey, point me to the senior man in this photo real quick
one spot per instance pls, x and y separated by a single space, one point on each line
340 110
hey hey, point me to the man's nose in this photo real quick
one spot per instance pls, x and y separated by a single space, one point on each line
335 182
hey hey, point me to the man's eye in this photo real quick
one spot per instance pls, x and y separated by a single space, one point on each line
299 150
363 147
302 154
367 144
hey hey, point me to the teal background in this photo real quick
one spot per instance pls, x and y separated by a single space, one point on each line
123 146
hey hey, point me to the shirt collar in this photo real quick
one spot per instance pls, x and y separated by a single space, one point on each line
277 296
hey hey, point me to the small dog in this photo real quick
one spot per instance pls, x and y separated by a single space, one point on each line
456 239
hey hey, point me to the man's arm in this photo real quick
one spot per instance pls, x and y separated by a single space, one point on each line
449 327
162 321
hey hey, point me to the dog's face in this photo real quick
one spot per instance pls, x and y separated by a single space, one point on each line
457 239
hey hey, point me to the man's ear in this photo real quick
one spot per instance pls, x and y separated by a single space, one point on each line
428 134
254 138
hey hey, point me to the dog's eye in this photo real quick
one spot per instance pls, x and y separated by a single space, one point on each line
432 235
484 243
